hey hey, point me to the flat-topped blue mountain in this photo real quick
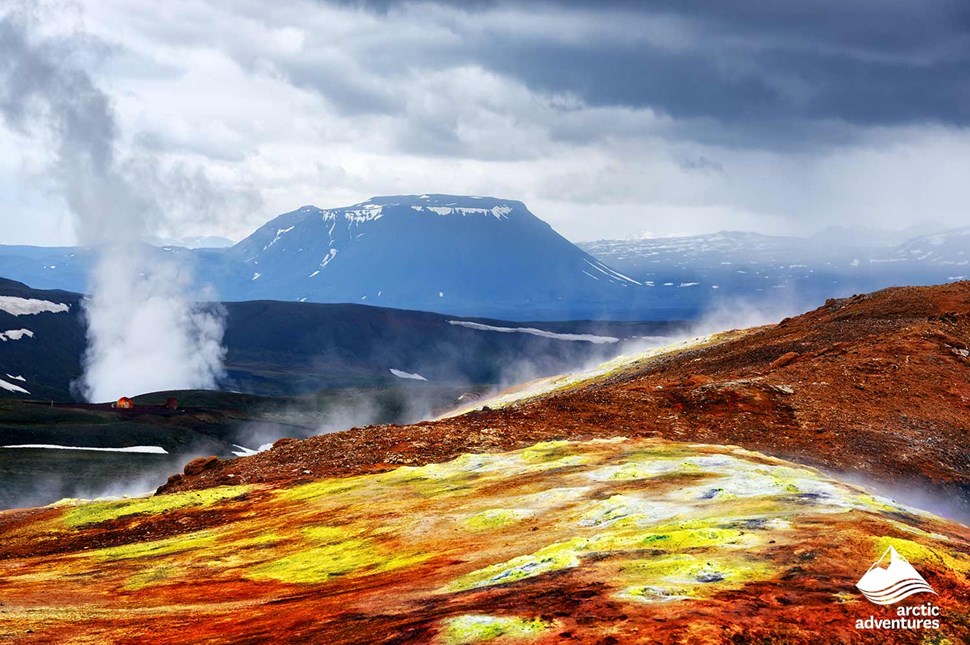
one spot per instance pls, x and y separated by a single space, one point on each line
468 255
481 256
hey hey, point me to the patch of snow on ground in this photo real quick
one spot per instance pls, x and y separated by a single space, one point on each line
17 378
407 375
145 450
30 306
10 387
245 452
15 334
587 338
610 273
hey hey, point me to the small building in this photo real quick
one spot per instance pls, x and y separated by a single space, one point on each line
124 403
172 403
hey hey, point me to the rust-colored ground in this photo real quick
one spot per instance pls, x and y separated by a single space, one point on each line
533 522
591 542
880 387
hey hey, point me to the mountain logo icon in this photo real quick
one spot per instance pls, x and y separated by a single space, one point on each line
889 585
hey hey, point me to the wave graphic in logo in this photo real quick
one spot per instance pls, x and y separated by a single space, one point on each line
887 586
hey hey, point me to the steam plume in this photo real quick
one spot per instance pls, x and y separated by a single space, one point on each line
145 332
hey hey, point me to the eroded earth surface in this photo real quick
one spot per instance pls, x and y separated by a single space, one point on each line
596 541
873 387
605 507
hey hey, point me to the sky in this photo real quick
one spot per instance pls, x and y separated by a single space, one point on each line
609 119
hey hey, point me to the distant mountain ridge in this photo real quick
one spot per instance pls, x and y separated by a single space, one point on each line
463 255
199 242
490 257
836 262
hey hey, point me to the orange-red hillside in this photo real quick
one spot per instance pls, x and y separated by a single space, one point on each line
877 385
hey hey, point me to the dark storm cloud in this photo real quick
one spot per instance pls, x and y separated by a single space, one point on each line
868 62
611 117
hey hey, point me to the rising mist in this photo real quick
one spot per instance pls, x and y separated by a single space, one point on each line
146 331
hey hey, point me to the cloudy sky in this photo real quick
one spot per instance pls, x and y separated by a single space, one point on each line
609 119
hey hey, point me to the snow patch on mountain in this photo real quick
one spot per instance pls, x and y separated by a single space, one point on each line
498 212
366 212
144 450
331 254
279 233
413 376
30 306
946 248
610 273
10 387
15 334
586 338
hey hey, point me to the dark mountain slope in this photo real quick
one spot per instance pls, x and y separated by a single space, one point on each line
279 348
49 360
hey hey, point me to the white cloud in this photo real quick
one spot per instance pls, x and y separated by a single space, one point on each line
270 109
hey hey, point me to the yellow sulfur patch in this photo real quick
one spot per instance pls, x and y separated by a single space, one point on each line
95 512
168 546
327 551
493 518
554 557
681 576
322 489
476 628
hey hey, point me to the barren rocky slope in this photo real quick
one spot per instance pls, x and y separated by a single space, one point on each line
591 508
875 385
